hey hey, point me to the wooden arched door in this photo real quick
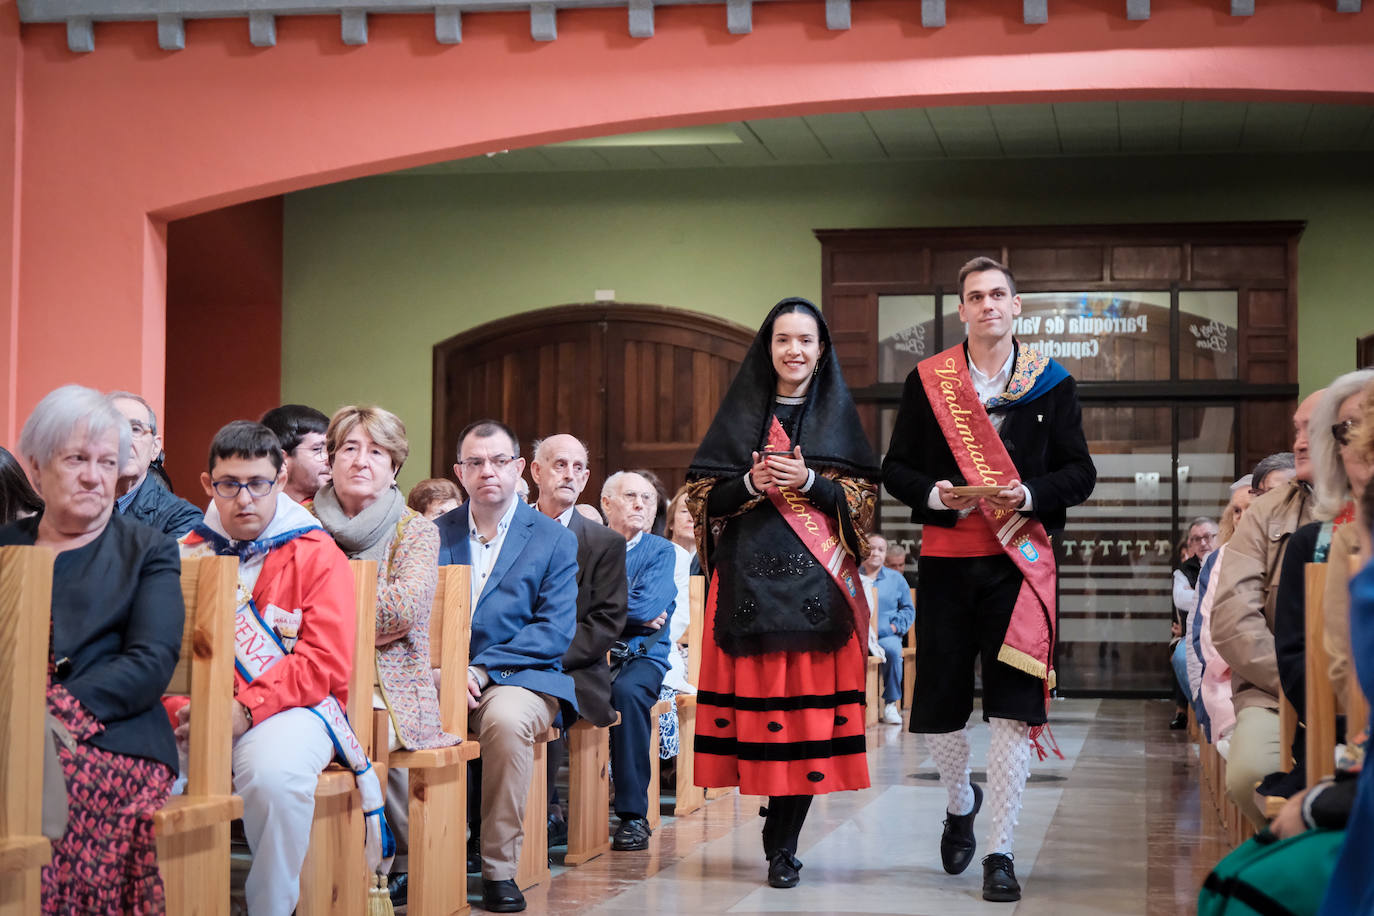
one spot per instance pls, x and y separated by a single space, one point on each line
638 383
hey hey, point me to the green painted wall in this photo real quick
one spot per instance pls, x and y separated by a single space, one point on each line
379 270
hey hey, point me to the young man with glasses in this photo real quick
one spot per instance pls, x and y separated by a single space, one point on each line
142 496
300 429
524 614
296 583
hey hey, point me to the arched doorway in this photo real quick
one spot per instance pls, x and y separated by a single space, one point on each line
638 383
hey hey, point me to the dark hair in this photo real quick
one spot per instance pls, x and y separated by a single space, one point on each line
430 491
980 264
293 422
1279 461
245 439
17 495
484 428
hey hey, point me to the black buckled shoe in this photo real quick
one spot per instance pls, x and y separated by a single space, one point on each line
956 843
633 833
783 868
558 831
502 896
999 879
399 889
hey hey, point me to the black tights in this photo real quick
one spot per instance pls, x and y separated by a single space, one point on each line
782 822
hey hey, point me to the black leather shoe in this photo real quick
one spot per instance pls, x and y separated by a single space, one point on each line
1180 720
399 888
474 856
999 879
783 868
502 897
558 831
956 843
633 833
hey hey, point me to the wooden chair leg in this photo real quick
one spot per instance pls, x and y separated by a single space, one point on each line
908 677
533 866
334 876
873 692
655 815
689 796
589 792
200 881
437 842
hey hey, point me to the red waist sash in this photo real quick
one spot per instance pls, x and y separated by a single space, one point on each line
983 460
970 537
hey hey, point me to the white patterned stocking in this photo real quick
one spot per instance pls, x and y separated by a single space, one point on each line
1008 769
951 753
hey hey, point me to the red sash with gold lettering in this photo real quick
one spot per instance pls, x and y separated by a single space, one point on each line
821 535
983 460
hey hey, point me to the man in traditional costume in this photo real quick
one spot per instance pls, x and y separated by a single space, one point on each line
293 653
995 414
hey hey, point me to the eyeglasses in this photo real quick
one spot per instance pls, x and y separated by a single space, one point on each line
1341 431
475 465
1199 538
139 430
316 450
229 489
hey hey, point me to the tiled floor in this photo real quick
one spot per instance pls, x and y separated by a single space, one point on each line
1114 828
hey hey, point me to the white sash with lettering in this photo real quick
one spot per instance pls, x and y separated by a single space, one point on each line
256 649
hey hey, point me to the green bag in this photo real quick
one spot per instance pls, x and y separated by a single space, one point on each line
1272 877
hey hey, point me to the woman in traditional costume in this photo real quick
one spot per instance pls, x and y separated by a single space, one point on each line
782 494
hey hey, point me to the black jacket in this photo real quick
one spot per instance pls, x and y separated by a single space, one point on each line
157 507
602 604
117 617
1044 439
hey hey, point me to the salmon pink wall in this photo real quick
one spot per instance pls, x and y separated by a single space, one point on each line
224 273
115 143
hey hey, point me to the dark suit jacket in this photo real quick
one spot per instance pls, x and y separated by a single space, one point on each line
1044 439
525 618
159 508
117 616
601 608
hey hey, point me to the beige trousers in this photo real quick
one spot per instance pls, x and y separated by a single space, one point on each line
1254 754
506 721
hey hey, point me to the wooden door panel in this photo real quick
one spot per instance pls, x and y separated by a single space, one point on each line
639 384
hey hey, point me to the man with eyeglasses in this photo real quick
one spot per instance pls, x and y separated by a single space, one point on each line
524 614
1243 618
640 658
296 583
143 497
301 432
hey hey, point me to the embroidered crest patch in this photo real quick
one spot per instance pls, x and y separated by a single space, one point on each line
1028 549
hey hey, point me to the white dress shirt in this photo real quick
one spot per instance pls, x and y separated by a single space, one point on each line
483 556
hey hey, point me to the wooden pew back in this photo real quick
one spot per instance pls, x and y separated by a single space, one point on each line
25 612
696 590
1321 697
205 670
450 629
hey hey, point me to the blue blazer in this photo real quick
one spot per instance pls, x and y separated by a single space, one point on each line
527 614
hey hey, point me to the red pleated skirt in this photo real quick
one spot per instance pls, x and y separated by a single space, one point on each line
781 723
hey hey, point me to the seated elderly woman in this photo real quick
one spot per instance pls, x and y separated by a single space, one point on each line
362 508
434 496
117 616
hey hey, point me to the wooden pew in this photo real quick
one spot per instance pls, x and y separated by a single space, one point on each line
438 795
689 796
193 828
334 878
25 610
589 791
533 867
909 662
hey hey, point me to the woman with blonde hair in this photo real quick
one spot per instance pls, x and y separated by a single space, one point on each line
363 509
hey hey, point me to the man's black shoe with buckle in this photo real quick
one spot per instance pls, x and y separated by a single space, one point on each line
633 833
